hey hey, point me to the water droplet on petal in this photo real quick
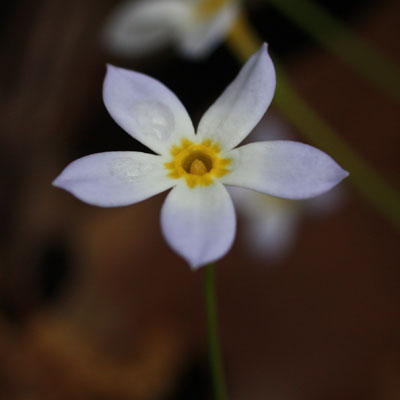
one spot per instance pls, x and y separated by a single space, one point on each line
154 119
129 169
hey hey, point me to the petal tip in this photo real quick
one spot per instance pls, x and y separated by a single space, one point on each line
338 175
194 266
339 172
197 264
57 182
343 174
264 49
112 68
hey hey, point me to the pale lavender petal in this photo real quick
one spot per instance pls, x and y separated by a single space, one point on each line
282 168
240 107
146 109
199 223
115 178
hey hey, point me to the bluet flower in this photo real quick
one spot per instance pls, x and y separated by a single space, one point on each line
195 27
197 218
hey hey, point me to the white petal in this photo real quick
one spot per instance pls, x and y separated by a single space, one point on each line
282 168
199 223
240 107
199 37
139 27
146 109
115 178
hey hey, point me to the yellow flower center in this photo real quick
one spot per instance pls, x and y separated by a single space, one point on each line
198 164
207 8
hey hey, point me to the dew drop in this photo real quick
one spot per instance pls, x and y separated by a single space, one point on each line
154 119
129 169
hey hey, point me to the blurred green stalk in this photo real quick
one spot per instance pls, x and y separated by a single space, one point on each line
343 42
364 178
244 42
214 351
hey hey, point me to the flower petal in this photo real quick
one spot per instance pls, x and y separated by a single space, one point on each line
139 27
240 107
115 178
146 109
200 36
199 223
283 168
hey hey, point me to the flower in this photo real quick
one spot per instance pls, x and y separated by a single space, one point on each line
270 224
196 27
197 218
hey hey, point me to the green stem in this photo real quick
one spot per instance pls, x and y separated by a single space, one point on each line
364 178
217 373
343 42
243 42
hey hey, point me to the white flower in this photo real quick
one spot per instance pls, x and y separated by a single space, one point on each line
197 218
271 224
195 27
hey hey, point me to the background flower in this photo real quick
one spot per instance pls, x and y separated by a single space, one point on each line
140 27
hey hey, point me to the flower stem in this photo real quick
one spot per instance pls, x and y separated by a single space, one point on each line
217 373
343 42
243 42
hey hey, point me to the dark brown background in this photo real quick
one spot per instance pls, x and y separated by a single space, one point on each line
94 305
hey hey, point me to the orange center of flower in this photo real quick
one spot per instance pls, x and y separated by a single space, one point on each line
198 167
198 164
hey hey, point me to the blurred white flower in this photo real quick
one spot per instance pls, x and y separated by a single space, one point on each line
195 27
271 224
197 218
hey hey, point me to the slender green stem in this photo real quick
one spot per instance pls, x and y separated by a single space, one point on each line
217 373
244 42
364 178
343 42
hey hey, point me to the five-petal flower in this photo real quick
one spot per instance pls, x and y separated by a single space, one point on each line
197 218
195 27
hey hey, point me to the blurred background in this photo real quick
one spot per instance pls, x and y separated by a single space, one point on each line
94 305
